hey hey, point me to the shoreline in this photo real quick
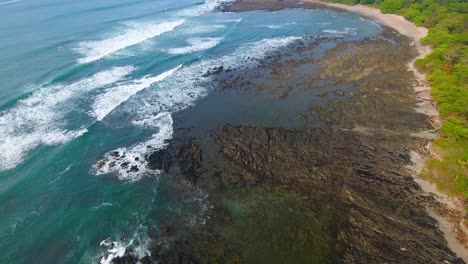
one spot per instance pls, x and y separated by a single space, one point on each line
454 230
327 139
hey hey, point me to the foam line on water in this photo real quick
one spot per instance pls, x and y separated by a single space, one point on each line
131 163
195 45
177 92
345 31
10 2
203 29
39 118
138 33
371 21
234 20
202 8
278 26
135 34
138 242
106 102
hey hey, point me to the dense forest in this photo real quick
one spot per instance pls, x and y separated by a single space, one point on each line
447 71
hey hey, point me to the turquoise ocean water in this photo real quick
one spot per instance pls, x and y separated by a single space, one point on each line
82 79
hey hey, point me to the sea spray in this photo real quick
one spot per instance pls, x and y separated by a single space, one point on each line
178 91
131 163
114 96
39 118
138 33
196 44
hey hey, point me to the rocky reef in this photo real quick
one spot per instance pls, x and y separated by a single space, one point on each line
324 179
376 207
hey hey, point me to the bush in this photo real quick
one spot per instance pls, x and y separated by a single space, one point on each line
450 94
391 6
447 68
454 129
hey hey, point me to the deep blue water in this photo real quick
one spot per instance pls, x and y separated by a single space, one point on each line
81 79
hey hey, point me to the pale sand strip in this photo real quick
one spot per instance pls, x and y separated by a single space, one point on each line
451 229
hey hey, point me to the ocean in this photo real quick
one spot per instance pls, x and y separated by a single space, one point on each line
90 88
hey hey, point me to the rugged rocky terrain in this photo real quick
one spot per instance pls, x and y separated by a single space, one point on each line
332 187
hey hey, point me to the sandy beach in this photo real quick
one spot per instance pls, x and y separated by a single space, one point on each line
396 22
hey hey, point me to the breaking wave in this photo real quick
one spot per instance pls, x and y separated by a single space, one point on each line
114 96
195 45
39 119
135 34
177 92
346 31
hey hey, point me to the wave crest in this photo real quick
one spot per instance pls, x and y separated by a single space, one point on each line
39 119
138 33
195 45
131 163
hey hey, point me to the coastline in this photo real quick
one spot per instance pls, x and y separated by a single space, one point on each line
318 138
454 230
408 29
255 131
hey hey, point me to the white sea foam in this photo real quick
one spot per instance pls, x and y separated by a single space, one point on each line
345 31
39 119
277 26
66 169
101 206
177 92
136 245
189 83
10 2
370 21
201 9
196 44
255 51
115 249
135 34
234 20
203 29
131 163
114 96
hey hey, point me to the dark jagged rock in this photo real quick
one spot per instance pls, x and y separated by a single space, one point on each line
158 160
359 174
213 71
335 193
190 161
125 259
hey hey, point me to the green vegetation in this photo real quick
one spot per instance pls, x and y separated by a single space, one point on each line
447 69
450 173
454 129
